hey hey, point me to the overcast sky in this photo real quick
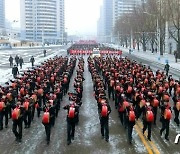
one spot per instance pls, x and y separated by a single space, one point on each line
80 15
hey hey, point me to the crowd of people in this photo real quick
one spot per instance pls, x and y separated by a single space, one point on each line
87 49
104 108
136 91
18 62
75 102
40 89
134 88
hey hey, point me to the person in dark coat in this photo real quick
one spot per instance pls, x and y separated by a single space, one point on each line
71 121
44 51
15 71
17 60
21 61
104 120
49 108
32 60
166 68
18 123
164 120
3 113
11 61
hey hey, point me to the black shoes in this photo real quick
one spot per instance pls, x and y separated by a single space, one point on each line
18 139
167 138
107 140
160 133
68 142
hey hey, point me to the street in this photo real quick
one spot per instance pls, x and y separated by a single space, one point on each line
87 136
26 55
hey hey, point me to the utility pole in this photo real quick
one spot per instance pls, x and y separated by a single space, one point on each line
144 43
160 31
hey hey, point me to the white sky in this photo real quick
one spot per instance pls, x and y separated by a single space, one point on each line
80 15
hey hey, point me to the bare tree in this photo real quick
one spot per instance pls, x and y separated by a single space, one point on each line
174 18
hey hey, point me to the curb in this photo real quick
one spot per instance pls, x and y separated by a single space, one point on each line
178 70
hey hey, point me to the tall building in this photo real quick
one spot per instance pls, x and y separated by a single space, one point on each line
100 26
121 7
42 20
105 21
2 15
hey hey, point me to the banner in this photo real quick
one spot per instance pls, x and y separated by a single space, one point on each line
88 52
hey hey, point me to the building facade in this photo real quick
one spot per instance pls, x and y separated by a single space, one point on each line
2 15
121 7
104 24
42 20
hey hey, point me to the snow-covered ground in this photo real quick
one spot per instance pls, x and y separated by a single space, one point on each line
6 71
154 57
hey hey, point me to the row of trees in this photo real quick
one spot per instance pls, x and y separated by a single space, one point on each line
142 24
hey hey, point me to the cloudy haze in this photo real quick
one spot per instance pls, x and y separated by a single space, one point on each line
80 15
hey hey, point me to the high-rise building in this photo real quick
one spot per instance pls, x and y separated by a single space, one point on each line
100 26
42 20
2 15
105 21
121 7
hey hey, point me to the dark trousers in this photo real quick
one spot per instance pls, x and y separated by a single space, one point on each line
104 127
167 71
20 65
70 130
121 117
155 114
17 125
52 120
27 118
130 129
48 131
165 126
32 113
2 115
116 99
39 108
65 89
138 111
170 90
176 118
147 125
9 108
11 64
110 91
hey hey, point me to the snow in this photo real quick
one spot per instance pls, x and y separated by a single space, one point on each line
6 74
154 57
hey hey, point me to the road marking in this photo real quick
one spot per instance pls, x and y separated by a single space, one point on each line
149 150
155 149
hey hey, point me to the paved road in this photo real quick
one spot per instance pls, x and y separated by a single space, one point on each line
166 147
87 136
154 65
25 54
